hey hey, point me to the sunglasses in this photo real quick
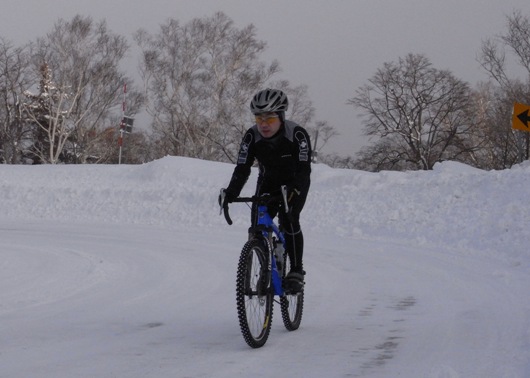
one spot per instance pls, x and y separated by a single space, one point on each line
270 119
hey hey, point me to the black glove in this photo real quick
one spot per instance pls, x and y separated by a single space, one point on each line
225 197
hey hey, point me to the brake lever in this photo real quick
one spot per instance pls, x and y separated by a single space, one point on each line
222 196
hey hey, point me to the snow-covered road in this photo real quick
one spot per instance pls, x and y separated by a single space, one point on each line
85 300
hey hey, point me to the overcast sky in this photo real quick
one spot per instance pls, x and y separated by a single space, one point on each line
332 46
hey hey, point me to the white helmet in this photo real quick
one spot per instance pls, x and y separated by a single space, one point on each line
269 101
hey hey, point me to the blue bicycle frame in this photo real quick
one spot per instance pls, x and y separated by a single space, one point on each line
266 225
265 220
259 278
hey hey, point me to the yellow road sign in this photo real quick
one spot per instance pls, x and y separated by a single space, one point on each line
521 117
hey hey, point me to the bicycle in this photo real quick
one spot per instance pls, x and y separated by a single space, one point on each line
261 271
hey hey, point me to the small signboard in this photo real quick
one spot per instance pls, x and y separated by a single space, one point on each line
521 117
127 124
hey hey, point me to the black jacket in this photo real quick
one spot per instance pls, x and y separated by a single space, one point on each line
284 159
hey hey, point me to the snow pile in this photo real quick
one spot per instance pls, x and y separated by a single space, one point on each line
454 205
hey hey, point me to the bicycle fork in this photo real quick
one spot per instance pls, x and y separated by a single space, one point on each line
275 277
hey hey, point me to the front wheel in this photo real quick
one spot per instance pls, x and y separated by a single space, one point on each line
253 294
292 306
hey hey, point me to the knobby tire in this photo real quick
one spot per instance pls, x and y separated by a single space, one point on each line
292 306
254 295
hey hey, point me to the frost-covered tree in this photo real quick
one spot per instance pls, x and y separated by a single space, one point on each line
13 79
80 93
199 78
44 112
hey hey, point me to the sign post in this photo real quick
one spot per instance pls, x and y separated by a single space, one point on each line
521 117
521 121
126 123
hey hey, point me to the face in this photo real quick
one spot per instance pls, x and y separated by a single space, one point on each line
268 124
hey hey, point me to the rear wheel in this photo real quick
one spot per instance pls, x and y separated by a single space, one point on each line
253 294
292 305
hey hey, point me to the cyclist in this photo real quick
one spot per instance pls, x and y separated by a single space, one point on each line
283 152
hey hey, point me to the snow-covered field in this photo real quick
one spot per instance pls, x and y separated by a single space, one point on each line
129 271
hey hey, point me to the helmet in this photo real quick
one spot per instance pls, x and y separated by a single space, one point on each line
269 100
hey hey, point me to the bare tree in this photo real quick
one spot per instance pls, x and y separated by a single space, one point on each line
420 114
516 40
77 65
321 133
492 134
137 149
336 161
199 78
13 79
388 154
494 60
